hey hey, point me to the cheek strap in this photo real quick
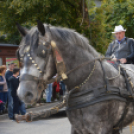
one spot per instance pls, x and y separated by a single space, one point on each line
61 69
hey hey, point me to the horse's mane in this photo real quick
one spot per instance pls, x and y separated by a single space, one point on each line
69 36
72 37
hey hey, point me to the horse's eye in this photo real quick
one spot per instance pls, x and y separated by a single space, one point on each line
48 46
42 51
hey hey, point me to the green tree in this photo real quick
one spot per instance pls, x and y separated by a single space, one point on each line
81 15
106 17
66 13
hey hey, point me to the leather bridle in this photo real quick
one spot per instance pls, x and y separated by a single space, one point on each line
58 60
60 66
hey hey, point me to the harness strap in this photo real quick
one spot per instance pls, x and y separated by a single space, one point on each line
104 75
27 77
58 78
106 97
59 61
128 86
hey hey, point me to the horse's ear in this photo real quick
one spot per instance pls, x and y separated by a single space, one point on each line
21 29
41 27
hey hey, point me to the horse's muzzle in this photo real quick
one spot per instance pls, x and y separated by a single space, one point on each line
28 92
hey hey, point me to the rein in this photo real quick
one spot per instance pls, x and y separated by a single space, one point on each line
58 78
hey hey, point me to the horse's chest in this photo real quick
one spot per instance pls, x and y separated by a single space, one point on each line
82 119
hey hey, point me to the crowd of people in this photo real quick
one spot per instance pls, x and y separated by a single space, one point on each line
9 82
55 91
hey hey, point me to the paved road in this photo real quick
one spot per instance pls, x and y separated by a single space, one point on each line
56 124
45 106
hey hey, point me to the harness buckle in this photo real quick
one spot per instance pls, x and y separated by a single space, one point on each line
108 92
116 128
131 83
77 87
64 76
131 96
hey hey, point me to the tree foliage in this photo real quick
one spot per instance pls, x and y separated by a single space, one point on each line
95 23
105 18
65 13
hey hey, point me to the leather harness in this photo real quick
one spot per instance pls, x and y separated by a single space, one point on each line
80 99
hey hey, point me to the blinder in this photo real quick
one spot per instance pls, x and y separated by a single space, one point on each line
43 50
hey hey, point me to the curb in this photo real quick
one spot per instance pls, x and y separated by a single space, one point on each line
45 106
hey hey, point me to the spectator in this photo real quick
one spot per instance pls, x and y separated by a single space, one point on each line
3 88
8 66
49 92
1 106
63 88
56 90
17 103
15 66
8 74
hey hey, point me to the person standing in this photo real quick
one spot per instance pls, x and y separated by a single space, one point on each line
49 92
14 84
8 74
63 87
3 88
56 90
122 48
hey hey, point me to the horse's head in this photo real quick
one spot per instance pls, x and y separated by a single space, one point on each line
42 58
37 61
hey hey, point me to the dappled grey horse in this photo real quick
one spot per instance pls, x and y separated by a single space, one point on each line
95 105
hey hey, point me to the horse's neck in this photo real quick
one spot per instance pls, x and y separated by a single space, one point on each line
73 57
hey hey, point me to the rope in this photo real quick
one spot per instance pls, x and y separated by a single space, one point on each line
116 75
128 69
87 77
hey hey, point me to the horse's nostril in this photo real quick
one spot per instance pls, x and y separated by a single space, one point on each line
29 96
